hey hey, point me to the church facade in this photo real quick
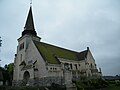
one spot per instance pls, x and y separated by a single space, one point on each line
40 64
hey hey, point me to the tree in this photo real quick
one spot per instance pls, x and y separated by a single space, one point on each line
8 74
6 67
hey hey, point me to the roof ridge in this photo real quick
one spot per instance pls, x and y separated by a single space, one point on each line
82 55
58 47
49 52
83 51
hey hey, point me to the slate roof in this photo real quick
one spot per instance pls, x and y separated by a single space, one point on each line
82 55
29 26
29 22
51 53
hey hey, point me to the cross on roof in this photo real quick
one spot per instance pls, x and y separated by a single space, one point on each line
30 2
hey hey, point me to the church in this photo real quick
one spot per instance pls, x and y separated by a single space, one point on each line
40 64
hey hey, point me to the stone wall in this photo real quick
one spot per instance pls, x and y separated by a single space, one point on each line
18 83
46 81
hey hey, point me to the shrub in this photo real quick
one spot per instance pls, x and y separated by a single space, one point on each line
2 87
92 84
80 85
56 87
16 88
117 83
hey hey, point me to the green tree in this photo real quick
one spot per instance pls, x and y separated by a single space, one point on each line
7 72
10 72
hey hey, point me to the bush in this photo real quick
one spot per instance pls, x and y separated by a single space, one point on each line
80 85
98 83
2 87
16 88
117 83
56 87
111 82
92 84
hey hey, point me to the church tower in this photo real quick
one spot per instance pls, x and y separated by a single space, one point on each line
28 35
29 32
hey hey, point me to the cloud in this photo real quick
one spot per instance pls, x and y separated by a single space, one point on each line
72 24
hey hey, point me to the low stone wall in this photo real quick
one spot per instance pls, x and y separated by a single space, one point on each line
18 83
46 81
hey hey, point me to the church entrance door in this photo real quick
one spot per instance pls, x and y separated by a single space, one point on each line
26 77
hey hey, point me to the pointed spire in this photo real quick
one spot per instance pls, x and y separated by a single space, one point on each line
29 23
29 26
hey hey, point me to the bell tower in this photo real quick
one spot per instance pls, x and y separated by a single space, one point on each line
28 35
29 32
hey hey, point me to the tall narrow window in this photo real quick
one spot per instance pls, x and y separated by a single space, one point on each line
76 66
70 66
21 57
91 65
21 46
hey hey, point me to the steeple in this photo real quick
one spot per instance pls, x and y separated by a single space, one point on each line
29 26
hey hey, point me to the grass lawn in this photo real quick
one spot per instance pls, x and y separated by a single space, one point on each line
111 87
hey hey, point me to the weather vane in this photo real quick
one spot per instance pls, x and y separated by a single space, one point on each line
0 46
30 2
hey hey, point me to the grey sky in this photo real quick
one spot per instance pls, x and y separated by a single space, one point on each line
72 24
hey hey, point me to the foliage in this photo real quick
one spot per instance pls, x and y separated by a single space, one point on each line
56 87
98 83
117 83
91 84
10 72
112 87
80 85
17 88
5 75
52 87
111 82
7 72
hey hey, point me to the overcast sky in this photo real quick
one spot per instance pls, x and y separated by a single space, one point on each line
71 24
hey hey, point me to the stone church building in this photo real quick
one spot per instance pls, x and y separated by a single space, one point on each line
41 64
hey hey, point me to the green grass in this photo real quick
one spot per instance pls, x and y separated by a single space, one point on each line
111 87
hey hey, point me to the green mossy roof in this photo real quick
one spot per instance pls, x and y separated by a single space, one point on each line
50 52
